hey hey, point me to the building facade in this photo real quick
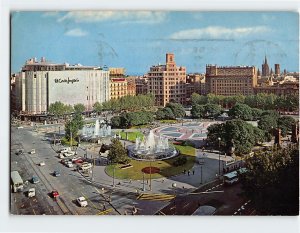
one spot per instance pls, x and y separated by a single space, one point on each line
280 89
167 82
118 88
141 85
230 80
131 86
40 84
265 70
195 83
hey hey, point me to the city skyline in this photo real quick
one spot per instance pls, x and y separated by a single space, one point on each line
137 40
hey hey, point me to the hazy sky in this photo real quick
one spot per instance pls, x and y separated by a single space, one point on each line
137 40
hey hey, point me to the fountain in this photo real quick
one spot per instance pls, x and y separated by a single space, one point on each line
99 129
151 148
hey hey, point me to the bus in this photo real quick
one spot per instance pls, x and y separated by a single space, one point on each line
233 177
17 182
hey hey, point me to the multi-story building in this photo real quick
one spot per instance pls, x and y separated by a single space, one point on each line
40 84
167 82
141 85
230 80
118 88
131 87
281 89
195 83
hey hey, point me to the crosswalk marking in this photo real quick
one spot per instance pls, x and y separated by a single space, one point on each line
105 211
155 197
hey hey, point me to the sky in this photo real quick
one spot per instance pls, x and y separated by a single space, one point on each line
136 40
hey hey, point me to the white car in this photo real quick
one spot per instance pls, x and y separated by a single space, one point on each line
69 153
85 166
31 192
42 163
65 149
82 201
75 158
61 156
69 164
32 151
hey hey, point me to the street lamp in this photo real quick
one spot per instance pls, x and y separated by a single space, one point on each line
201 174
114 177
219 139
143 181
174 189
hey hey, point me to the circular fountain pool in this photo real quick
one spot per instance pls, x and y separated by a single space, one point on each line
152 148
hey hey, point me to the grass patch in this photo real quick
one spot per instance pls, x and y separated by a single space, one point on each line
166 167
131 135
140 126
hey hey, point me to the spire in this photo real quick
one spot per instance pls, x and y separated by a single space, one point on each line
266 61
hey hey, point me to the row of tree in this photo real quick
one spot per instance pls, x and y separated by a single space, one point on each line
261 101
244 135
126 103
59 109
170 112
126 120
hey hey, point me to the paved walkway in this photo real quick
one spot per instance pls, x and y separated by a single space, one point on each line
184 182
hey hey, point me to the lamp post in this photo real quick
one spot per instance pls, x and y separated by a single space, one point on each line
174 189
219 139
201 174
143 181
150 186
114 177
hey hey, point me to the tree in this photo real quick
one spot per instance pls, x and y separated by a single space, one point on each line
116 122
241 111
73 126
79 108
212 110
97 107
197 111
285 123
165 113
117 153
267 122
243 134
177 109
272 181
57 109
256 113
198 99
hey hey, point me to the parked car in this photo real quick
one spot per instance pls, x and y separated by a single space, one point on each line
31 192
75 158
65 149
69 153
35 180
78 161
82 201
54 194
61 156
42 163
85 166
56 173
69 164
19 152
32 151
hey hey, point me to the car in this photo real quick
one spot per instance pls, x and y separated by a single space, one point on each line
65 149
19 152
78 161
61 156
82 201
20 127
85 166
56 173
54 194
31 192
69 164
65 160
42 163
76 158
32 151
69 153
35 180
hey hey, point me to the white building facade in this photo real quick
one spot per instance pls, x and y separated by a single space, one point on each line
40 84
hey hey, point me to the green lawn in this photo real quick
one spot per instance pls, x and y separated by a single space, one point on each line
168 121
131 135
166 166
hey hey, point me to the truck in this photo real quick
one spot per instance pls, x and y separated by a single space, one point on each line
16 182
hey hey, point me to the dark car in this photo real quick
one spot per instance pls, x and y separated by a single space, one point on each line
35 180
56 173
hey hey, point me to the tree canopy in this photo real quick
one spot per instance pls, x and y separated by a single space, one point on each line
272 181
241 111
79 108
117 153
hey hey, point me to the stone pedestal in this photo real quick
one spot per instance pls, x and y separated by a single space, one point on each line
277 134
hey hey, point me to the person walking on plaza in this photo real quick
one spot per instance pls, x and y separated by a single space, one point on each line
188 172
193 172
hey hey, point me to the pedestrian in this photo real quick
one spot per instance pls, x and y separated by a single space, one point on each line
193 172
163 180
104 207
184 171
188 172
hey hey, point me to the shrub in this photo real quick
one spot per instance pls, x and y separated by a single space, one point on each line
180 161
